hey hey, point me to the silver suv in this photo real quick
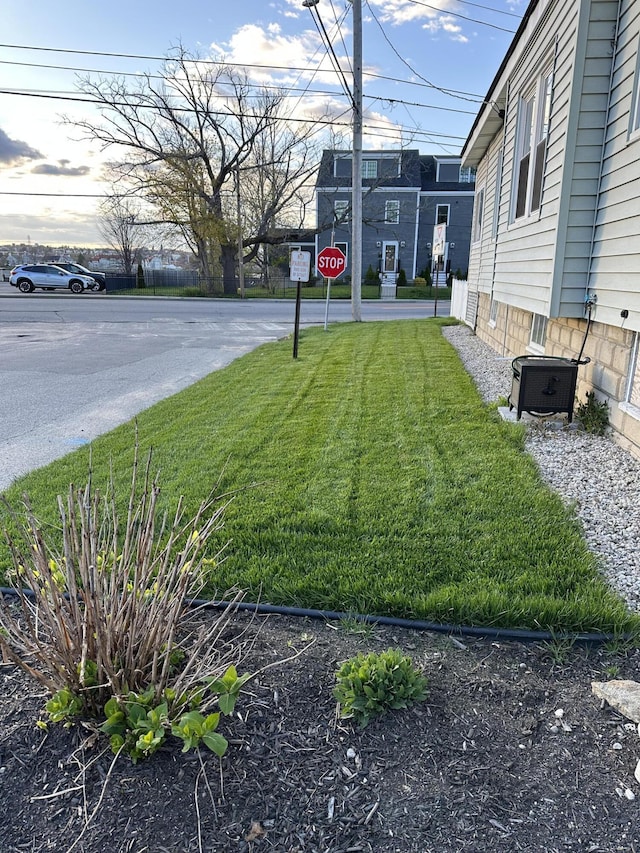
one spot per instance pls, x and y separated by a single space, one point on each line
27 277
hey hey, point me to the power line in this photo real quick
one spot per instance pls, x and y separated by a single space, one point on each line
330 122
368 74
489 9
448 12
281 90
404 61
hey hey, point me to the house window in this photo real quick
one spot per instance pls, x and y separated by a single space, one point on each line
538 331
632 396
493 312
392 212
341 208
635 110
342 246
534 114
467 175
369 168
442 214
478 212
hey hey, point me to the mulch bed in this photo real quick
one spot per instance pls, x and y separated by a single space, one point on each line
487 763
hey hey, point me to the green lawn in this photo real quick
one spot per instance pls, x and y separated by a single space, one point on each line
369 477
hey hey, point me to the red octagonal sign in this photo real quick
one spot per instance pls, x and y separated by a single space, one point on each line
331 262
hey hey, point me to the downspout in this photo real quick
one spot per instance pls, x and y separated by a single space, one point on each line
589 298
498 202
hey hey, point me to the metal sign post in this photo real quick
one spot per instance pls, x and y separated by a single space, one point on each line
331 262
300 268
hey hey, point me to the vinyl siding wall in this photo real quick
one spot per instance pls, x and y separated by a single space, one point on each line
615 269
482 255
588 114
524 263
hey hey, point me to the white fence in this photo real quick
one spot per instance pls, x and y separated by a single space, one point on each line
464 303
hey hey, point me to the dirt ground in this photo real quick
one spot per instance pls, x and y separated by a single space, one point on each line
510 751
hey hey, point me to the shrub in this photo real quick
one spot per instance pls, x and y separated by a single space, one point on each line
401 280
369 685
103 618
371 276
419 282
594 414
140 282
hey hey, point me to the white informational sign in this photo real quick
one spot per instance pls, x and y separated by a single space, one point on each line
300 263
439 239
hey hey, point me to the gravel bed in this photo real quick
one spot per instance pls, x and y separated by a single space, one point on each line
592 473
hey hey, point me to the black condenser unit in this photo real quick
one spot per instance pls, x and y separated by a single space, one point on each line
543 385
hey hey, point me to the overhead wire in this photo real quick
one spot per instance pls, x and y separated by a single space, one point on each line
280 90
324 36
220 112
449 13
407 64
368 74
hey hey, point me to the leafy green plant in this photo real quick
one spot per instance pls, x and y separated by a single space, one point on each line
63 706
155 662
134 726
369 685
194 728
401 280
593 414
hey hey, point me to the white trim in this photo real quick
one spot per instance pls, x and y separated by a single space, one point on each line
634 113
385 189
630 409
415 236
447 193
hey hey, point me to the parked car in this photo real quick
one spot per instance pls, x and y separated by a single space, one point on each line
27 277
99 277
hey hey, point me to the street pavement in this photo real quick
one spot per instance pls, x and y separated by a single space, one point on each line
73 368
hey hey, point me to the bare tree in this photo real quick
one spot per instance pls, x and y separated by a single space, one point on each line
119 224
187 135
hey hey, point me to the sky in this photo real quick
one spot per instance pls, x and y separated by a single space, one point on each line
427 65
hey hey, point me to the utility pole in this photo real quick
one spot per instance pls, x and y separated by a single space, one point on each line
240 246
356 175
356 160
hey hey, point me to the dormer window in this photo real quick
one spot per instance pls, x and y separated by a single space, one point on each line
369 168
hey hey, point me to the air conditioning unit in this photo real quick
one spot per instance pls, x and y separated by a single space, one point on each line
543 385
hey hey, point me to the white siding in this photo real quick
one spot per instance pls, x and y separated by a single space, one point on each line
591 81
615 268
527 247
481 259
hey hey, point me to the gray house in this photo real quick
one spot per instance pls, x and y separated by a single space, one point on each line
555 257
405 195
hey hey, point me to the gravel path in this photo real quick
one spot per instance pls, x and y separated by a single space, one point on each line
592 473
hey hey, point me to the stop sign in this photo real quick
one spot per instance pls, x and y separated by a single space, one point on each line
331 262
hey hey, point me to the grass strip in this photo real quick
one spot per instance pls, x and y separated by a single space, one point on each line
371 478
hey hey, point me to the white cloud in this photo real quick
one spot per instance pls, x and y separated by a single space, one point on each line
435 17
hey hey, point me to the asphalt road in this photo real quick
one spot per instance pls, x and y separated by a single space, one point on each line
72 368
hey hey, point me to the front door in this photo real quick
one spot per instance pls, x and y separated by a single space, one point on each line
389 258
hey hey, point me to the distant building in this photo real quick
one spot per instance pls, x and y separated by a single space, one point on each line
405 195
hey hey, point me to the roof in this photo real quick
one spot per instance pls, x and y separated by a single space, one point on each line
491 114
